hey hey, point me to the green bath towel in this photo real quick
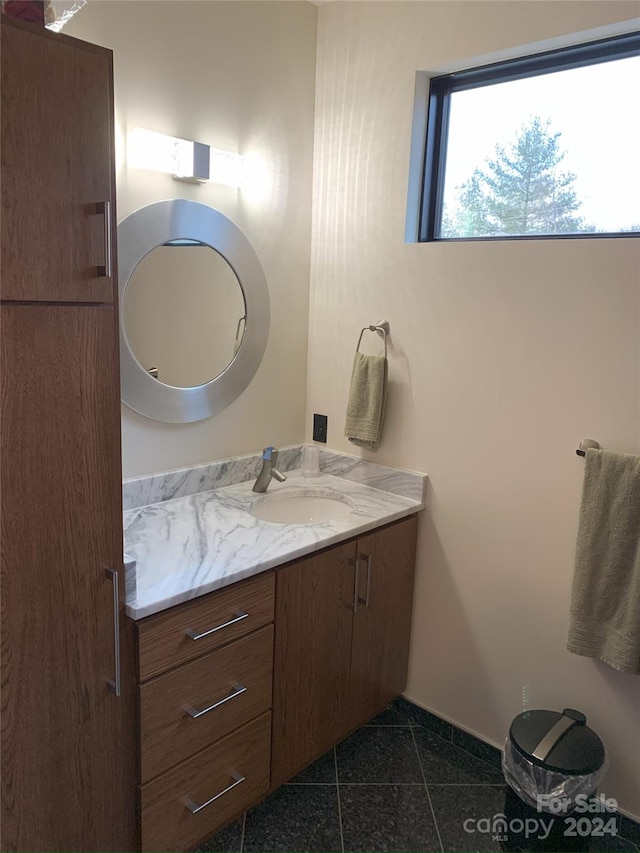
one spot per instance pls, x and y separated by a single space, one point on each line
367 400
605 602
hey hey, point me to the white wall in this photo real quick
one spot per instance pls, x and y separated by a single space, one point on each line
503 356
238 76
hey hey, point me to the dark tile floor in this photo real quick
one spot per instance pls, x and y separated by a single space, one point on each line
407 781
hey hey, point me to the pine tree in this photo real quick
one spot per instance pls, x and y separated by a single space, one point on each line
521 190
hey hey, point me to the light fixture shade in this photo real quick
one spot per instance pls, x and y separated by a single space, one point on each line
185 160
192 161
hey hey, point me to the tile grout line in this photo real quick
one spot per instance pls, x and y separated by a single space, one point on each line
426 788
335 763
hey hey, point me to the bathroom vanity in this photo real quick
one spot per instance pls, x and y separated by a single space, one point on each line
242 687
248 647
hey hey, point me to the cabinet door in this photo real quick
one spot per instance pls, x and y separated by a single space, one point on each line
57 156
68 743
314 615
382 621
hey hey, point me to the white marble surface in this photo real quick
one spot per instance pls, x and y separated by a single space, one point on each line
129 578
180 482
409 484
192 545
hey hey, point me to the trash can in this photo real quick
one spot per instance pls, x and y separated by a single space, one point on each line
553 763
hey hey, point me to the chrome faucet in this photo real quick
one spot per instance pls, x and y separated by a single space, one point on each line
269 470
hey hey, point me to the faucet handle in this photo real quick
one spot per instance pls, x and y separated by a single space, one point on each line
269 453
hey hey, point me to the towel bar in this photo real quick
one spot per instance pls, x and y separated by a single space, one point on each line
382 328
585 444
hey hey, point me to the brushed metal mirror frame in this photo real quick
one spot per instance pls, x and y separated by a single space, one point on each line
178 219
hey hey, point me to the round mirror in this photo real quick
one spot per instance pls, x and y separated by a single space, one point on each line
194 311
184 313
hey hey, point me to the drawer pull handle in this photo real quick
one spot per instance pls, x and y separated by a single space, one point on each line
356 564
114 686
365 600
195 636
195 713
105 270
194 808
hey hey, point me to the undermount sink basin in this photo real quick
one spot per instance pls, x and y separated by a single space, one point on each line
303 506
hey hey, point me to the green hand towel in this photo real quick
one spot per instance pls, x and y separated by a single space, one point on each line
367 400
605 602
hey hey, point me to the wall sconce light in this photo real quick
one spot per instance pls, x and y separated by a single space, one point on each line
185 160
192 162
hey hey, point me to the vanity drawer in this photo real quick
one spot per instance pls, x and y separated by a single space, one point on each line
191 629
205 781
234 682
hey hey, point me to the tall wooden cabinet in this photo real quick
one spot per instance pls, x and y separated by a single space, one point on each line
68 741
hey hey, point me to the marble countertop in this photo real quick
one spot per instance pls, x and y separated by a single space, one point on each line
192 545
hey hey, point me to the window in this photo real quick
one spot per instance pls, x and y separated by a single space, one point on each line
542 146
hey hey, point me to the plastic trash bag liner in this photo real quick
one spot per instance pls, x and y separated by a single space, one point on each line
540 787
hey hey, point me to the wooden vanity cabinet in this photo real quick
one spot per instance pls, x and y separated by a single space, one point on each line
242 688
312 657
206 675
343 620
382 621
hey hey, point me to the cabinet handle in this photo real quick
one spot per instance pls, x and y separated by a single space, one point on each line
195 713
369 560
356 564
104 208
114 577
194 808
191 632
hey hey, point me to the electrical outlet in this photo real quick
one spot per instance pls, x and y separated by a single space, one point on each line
320 428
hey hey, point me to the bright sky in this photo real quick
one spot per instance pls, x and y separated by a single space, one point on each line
597 110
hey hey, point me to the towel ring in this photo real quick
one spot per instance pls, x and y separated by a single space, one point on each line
585 444
381 328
